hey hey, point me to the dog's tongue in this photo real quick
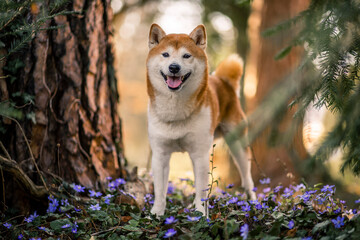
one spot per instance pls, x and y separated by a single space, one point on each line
173 82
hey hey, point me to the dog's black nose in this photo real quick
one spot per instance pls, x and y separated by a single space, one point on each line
174 68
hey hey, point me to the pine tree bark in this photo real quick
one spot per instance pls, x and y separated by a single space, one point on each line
276 161
77 131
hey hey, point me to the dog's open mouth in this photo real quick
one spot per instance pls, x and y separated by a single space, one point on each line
175 82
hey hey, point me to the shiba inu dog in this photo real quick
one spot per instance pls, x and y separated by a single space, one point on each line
187 106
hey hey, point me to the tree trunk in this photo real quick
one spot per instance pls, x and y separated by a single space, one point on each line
69 71
273 161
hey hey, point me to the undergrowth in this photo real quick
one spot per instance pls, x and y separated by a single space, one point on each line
292 212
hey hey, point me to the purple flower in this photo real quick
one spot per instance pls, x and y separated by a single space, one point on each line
204 199
338 222
298 187
170 220
266 190
78 188
95 207
306 238
254 189
7 225
171 232
258 206
108 178
357 201
35 238
171 188
120 181
230 186
66 225
64 202
233 200
328 188
77 209
277 189
42 228
53 205
95 194
112 185
240 203
20 236
74 228
246 208
193 219
265 181
291 224
244 230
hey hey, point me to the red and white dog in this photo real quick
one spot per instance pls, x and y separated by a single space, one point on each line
187 106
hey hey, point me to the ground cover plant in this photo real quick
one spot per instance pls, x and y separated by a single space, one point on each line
284 212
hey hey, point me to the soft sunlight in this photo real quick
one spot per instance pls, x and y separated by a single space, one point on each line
179 16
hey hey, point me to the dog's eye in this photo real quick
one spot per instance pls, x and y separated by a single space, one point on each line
186 55
165 54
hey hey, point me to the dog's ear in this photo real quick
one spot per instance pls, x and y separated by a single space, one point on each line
199 36
155 35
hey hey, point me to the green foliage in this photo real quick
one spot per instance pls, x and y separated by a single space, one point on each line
295 212
329 31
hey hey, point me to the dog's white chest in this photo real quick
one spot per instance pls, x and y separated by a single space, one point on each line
189 128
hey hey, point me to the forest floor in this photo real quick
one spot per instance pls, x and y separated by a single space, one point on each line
292 212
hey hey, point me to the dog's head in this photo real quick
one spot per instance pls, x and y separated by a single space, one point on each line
176 60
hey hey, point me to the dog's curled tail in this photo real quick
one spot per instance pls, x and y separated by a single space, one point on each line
231 70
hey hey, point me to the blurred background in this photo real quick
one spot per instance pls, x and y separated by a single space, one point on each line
232 26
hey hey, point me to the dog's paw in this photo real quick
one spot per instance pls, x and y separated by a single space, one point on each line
157 211
251 194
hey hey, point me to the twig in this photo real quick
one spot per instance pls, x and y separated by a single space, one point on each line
256 162
3 186
5 151
31 154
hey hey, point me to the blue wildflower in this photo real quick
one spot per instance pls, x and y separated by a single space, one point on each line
171 232
277 189
112 185
170 220
254 189
20 236
120 181
246 208
306 238
338 222
66 225
95 207
233 200
7 225
258 206
298 187
77 209
64 202
328 188
53 205
265 181
171 188
193 219
95 194
78 188
230 186
266 190
244 230
240 203
357 201
291 224
42 228
74 228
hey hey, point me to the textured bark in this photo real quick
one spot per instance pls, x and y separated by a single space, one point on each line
276 162
77 134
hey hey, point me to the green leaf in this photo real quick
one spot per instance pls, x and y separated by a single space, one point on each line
320 226
283 53
131 228
57 224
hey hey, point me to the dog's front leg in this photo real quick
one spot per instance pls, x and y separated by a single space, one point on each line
160 171
201 170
